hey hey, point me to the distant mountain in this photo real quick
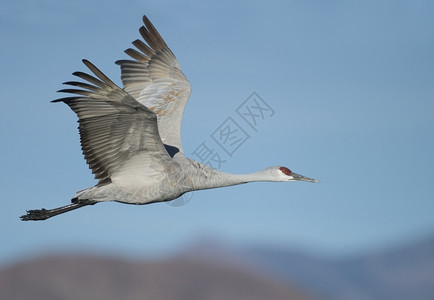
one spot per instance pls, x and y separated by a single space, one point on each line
81 277
400 274
211 271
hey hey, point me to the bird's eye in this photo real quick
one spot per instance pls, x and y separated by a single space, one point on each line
285 171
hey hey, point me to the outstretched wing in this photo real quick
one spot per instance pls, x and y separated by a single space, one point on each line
114 127
155 79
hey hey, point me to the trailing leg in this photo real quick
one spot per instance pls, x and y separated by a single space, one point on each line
43 214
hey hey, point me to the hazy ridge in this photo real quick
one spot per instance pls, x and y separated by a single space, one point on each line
217 271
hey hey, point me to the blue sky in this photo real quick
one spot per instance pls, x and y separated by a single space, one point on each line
351 84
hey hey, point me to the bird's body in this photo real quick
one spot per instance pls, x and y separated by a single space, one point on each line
167 184
131 138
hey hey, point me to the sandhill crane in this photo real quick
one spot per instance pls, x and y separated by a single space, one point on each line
130 137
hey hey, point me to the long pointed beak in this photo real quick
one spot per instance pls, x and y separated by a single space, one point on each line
303 178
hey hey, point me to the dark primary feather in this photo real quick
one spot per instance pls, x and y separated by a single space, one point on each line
113 125
144 48
151 61
154 77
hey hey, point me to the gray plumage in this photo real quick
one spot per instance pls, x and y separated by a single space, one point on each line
130 137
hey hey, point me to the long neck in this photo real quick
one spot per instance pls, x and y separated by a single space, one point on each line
208 178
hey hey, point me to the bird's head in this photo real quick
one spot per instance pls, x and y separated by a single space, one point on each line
285 174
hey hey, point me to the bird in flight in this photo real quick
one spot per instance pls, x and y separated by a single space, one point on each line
131 136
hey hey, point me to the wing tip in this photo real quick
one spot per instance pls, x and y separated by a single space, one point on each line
145 19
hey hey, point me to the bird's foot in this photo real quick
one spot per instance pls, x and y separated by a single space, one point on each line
36 215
